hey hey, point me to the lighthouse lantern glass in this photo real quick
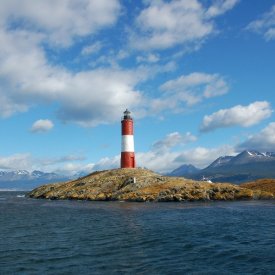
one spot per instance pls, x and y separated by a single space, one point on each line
127 114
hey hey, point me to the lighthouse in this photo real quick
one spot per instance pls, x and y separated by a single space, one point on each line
127 143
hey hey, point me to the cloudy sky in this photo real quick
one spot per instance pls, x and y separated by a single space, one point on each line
198 76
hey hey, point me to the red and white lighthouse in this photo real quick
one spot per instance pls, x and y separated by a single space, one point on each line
127 143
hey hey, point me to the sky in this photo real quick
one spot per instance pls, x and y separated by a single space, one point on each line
197 75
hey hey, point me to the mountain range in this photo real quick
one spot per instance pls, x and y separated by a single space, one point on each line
246 166
24 180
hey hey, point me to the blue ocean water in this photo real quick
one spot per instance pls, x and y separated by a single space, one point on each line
81 237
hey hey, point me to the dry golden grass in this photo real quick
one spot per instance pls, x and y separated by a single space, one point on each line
267 185
118 184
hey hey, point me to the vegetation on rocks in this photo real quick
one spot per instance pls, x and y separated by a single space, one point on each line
267 185
143 185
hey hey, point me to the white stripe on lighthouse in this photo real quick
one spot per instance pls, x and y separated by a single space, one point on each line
127 143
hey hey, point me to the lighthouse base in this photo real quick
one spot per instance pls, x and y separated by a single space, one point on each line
127 160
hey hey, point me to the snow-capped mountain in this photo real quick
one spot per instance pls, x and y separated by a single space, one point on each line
221 161
244 157
13 175
248 165
22 179
252 156
21 172
40 174
37 173
24 174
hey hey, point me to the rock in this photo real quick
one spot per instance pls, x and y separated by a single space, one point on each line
143 185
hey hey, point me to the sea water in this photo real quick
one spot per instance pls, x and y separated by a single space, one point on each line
82 237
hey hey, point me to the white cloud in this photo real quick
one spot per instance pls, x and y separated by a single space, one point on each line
172 140
159 161
62 20
159 158
194 87
87 98
238 115
72 169
220 7
91 97
162 162
166 24
150 58
168 160
262 141
10 106
202 157
101 96
91 49
67 165
265 25
62 159
16 162
42 125
107 163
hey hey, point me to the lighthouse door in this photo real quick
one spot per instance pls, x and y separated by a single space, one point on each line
133 162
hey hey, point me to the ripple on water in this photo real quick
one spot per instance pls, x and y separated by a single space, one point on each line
52 237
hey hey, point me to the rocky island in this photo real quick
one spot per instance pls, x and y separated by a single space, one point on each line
137 184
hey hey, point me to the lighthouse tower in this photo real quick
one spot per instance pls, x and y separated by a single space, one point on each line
127 143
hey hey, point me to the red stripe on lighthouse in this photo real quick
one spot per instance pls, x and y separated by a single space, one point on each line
128 160
127 142
127 127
